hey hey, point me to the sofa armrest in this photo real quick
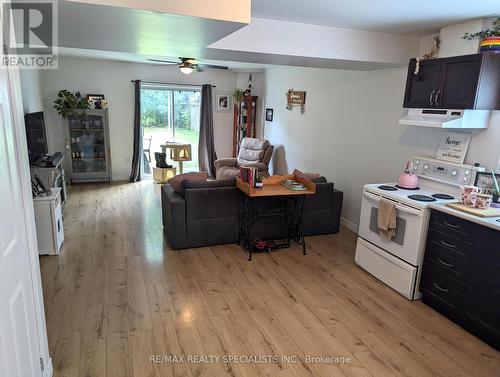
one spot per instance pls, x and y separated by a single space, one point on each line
174 217
230 162
338 197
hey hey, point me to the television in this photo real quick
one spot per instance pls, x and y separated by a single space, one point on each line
35 135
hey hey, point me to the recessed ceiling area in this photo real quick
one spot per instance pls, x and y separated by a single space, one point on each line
337 34
394 16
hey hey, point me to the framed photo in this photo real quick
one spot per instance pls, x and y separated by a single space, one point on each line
94 97
269 115
453 147
223 101
485 182
95 101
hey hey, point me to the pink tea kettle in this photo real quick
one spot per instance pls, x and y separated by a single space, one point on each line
408 179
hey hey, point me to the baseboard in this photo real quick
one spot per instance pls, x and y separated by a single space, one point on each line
349 225
49 370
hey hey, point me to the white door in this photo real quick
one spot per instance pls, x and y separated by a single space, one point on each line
19 342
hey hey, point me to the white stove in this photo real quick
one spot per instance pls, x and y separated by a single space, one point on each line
397 262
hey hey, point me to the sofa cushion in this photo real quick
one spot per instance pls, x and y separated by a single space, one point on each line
319 180
176 182
189 184
309 176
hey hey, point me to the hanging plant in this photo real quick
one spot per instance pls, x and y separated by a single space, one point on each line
70 104
494 31
238 95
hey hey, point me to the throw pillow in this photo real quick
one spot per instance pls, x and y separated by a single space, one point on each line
176 182
309 176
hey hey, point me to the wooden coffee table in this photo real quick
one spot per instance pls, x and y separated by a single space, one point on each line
289 210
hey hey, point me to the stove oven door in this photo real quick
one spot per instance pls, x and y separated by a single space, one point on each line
410 229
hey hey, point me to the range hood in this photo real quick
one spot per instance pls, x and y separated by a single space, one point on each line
452 119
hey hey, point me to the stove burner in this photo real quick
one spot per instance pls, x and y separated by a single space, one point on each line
404 188
442 196
388 188
422 198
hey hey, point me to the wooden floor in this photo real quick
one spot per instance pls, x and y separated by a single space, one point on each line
118 295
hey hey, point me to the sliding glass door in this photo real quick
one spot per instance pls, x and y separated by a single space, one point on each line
169 114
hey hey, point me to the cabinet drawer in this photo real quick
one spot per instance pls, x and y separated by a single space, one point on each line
441 292
449 244
454 226
445 263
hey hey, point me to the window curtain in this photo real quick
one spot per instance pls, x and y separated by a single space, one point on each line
206 145
135 174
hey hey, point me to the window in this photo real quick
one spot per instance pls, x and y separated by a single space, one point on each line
169 114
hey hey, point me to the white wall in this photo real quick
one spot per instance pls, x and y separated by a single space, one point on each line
112 78
31 88
350 132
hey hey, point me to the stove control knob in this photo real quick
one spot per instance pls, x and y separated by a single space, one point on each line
454 173
465 179
426 166
467 172
417 162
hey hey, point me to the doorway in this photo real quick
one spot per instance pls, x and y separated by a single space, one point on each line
169 114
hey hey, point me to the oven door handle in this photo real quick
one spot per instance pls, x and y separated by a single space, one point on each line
398 206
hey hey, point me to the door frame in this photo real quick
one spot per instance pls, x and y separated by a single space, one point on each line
27 210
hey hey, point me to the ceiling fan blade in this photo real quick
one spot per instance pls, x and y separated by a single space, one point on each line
211 66
163 61
188 60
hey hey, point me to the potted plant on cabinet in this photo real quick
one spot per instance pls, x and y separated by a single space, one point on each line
70 104
489 38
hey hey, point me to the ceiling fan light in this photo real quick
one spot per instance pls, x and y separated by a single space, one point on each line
186 68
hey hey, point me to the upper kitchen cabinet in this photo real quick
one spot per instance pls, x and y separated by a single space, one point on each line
459 82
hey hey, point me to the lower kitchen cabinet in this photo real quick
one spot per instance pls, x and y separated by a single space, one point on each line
461 274
481 305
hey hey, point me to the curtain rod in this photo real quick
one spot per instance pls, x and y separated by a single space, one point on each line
168 83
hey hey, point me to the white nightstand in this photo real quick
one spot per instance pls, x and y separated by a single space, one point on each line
49 222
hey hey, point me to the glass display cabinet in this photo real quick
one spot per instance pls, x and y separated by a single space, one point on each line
87 146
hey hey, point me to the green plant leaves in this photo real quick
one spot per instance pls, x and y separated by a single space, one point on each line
70 104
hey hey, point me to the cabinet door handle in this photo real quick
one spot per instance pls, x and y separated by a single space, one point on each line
436 99
436 285
447 244
430 97
451 225
444 263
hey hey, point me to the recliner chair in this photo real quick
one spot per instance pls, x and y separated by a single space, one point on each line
253 153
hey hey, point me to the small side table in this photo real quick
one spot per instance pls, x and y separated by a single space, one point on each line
179 152
290 210
162 175
49 222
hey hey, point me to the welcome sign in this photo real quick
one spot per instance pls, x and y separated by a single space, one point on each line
453 147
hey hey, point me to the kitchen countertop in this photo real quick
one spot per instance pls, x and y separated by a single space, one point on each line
490 222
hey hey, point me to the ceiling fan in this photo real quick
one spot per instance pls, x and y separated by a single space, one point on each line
188 65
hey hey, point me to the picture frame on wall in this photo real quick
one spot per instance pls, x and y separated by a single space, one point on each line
223 102
269 115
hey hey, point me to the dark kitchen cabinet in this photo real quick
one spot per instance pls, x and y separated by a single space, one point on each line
459 82
421 88
461 274
481 304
